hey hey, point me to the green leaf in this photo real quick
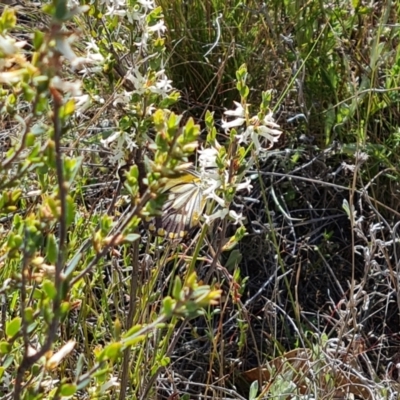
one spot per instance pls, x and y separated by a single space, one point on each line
168 306
71 168
133 341
105 224
29 314
68 389
177 289
50 154
32 327
234 259
68 108
61 10
30 140
8 20
73 264
64 309
71 211
79 365
244 92
13 327
191 130
5 348
9 360
38 37
14 241
253 390
132 237
42 84
113 351
165 361
83 383
133 330
49 289
51 249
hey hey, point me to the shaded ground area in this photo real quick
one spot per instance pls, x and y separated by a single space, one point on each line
300 256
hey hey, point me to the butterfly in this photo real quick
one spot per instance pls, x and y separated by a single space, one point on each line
183 208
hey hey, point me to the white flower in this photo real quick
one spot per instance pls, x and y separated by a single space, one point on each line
63 45
119 142
88 71
210 191
112 138
233 124
9 47
113 381
163 85
92 46
138 80
56 358
117 4
73 87
150 109
222 213
82 103
271 135
10 77
147 4
135 15
269 120
237 218
208 219
123 98
246 185
143 40
112 10
266 129
238 112
93 59
208 158
246 136
159 27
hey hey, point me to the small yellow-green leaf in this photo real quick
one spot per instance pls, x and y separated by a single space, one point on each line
168 306
13 327
134 340
71 211
5 348
165 361
38 37
177 289
113 351
29 314
49 289
68 389
133 330
8 19
52 249
69 108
